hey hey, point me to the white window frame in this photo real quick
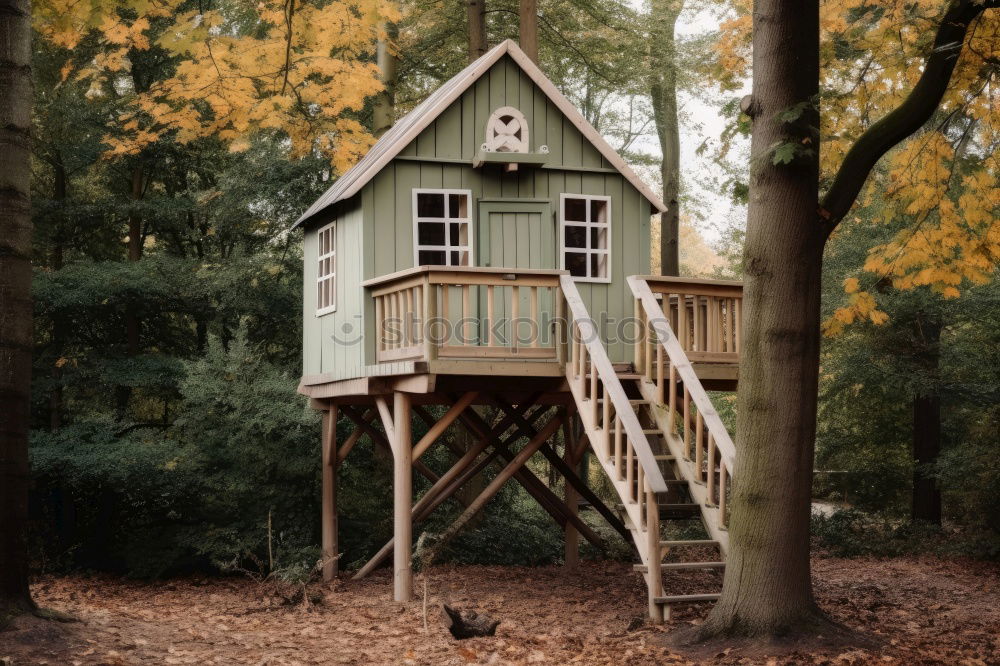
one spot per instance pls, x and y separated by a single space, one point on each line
330 277
447 248
588 225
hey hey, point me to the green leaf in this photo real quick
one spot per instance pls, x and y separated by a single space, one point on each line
784 153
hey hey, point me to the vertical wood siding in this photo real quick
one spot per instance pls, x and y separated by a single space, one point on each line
386 246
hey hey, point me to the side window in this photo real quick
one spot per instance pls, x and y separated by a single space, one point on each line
442 228
585 236
326 275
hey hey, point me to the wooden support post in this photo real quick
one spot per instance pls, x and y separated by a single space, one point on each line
329 513
446 486
571 557
402 486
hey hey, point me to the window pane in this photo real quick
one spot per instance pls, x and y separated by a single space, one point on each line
430 233
575 236
455 259
576 210
430 204
432 257
599 265
457 205
576 264
464 259
599 238
598 210
455 233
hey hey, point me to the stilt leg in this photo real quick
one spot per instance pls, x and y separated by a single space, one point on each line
402 497
329 517
572 554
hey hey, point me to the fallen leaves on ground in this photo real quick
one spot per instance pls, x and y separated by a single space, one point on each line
922 610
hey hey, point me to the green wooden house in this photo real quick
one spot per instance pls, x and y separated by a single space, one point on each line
492 249
496 169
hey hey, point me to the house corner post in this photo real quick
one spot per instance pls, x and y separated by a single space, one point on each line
402 497
329 515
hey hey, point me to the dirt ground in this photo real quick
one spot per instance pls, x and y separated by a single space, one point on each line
922 611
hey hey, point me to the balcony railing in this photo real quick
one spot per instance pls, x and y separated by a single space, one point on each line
453 312
705 314
480 313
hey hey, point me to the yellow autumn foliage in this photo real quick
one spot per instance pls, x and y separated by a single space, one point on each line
955 235
303 69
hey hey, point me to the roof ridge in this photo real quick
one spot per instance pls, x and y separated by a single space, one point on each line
416 121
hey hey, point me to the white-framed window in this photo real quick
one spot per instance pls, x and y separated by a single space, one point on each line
442 227
326 269
585 236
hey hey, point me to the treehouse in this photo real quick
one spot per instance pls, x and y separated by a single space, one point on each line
492 250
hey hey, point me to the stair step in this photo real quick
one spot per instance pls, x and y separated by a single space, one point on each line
689 542
683 566
629 375
686 598
664 457
652 431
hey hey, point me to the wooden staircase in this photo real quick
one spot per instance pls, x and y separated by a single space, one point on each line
662 445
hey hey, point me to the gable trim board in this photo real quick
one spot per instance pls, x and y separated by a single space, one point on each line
410 126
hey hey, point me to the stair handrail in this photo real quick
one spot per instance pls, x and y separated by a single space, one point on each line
719 443
613 389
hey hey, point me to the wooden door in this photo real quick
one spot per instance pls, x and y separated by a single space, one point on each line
516 234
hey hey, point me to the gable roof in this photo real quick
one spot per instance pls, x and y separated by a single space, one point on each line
407 128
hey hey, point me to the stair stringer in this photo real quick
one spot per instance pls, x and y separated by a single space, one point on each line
698 489
600 444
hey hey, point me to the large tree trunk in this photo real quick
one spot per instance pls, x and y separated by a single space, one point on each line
476 25
528 31
767 589
15 303
663 94
927 425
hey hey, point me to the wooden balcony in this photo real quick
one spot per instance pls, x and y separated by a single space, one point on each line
470 320
457 317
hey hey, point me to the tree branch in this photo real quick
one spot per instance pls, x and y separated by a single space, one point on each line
906 118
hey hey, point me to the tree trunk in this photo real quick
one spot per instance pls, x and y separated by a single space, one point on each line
767 589
927 427
528 29
56 263
15 303
384 112
663 94
476 19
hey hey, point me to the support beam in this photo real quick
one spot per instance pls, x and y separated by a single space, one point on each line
516 463
380 440
329 512
437 429
578 445
353 438
446 486
402 489
534 486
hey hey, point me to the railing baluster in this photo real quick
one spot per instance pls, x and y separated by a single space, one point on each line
699 444
659 374
686 425
629 468
619 474
711 468
671 413
723 474
535 331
